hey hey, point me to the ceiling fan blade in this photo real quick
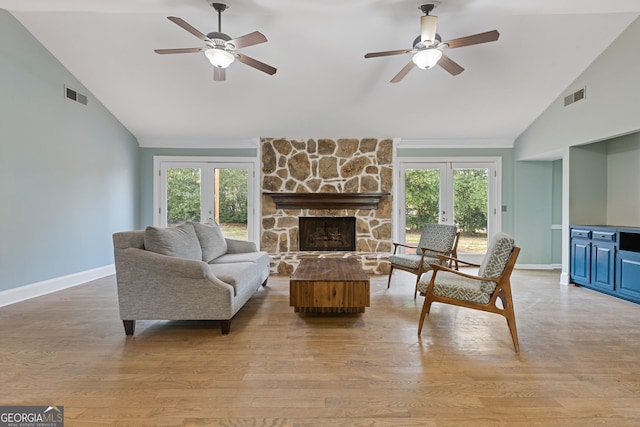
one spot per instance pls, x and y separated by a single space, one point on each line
183 50
247 60
428 25
248 39
219 74
489 36
387 53
450 65
403 72
182 23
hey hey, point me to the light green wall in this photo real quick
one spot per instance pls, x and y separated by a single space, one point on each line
68 172
533 212
588 184
556 212
623 181
146 170
610 108
591 170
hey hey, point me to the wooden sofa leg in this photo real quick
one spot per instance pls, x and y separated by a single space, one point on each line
225 326
129 327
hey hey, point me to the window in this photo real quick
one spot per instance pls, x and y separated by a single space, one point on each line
457 191
206 189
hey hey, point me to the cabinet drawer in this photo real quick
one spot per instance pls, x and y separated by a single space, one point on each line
585 234
604 235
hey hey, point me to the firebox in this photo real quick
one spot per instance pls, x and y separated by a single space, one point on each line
327 233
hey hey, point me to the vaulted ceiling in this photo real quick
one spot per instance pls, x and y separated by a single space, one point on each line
324 87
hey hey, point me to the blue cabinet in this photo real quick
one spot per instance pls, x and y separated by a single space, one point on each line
603 266
629 274
606 259
581 256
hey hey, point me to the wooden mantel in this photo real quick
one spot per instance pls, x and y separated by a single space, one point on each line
326 200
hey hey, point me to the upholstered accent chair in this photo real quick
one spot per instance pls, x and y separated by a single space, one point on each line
480 292
435 239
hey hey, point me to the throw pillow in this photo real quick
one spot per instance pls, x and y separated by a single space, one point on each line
211 239
180 241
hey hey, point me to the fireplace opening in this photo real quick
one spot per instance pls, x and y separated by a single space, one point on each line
327 233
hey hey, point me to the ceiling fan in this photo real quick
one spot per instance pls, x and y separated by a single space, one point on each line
428 46
220 49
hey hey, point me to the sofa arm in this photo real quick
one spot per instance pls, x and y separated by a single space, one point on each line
240 246
134 259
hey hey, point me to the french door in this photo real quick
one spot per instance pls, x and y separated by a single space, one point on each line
202 191
458 192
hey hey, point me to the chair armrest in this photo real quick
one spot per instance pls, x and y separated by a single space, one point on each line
235 246
404 245
439 267
438 251
458 260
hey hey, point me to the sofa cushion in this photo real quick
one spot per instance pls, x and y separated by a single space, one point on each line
180 241
497 255
412 261
211 239
257 257
238 274
495 260
451 285
261 260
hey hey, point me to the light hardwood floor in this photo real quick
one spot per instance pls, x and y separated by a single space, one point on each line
579 363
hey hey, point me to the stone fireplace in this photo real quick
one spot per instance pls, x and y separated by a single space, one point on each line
326 178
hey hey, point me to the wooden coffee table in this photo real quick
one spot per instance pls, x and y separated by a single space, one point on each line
329 285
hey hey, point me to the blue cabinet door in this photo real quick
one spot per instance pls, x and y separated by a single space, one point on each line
628 275
603 265
581 261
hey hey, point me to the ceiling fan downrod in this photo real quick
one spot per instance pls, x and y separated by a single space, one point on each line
219 7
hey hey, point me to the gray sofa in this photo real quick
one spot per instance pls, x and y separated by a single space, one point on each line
188 272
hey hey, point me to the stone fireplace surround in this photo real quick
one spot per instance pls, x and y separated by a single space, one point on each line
338 166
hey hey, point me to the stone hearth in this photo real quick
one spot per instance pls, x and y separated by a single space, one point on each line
326 166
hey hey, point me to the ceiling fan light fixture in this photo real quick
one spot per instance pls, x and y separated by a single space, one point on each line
427 58
219 58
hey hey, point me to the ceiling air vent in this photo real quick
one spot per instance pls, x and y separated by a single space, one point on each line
74 95
575 96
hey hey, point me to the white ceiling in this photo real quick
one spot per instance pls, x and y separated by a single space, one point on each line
324 87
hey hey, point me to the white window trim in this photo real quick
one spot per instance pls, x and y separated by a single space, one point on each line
495 186
253 196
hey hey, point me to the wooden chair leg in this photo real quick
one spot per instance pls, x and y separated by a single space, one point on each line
511 321
389 281
508 313
129 327
423 314
225 326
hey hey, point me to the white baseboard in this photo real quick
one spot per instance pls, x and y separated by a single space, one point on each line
538 266
22 293
564 279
